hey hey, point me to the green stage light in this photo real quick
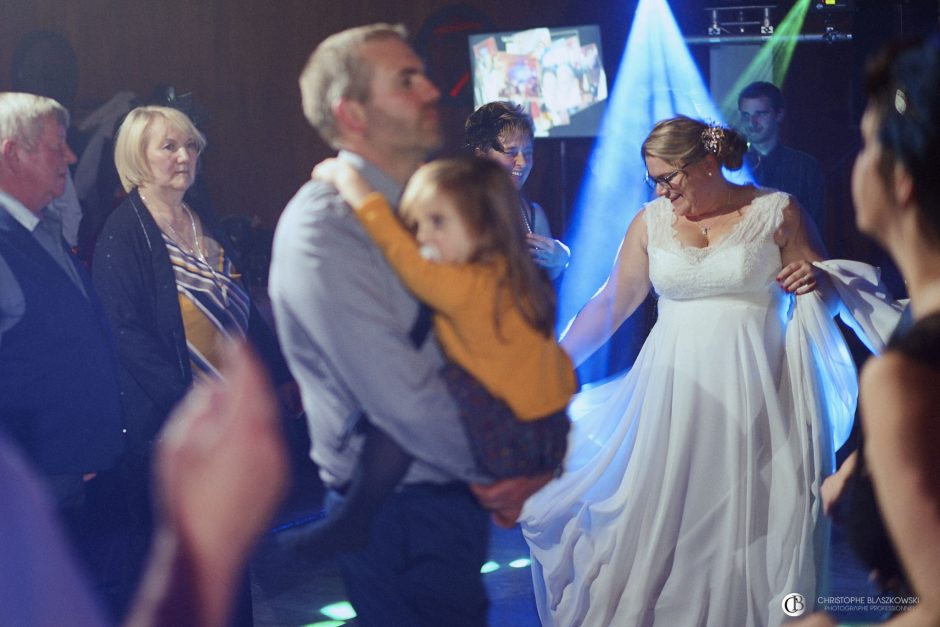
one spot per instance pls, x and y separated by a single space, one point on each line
339 611
776 55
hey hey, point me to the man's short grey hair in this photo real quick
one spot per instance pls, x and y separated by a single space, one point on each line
22 116
336 69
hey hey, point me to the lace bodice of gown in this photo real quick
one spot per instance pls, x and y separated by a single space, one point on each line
745 261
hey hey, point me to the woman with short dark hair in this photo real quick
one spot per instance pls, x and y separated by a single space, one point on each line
503 132
893 492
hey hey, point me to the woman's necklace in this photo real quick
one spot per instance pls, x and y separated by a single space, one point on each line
705 229
523 205
194 250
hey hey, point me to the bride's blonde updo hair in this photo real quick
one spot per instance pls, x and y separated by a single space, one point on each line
682 140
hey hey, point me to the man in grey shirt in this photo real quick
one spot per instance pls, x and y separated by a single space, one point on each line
344 320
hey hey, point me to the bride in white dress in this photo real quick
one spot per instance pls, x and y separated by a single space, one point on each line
690 495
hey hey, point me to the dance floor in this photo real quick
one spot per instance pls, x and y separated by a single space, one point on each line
288 592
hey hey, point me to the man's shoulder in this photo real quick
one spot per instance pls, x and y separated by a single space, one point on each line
317 222
315 205
316 195
792 154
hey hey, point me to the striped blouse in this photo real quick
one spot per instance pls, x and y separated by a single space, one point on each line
212 301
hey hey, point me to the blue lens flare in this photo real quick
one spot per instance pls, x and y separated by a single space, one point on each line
657 79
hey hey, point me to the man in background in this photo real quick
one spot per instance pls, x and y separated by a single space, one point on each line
762 108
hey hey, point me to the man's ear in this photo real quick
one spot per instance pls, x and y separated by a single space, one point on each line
8 148
350 115
780 115
903 186
10 153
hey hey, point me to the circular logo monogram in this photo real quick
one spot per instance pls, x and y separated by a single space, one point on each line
793 604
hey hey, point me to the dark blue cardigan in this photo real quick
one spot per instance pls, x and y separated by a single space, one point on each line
134 278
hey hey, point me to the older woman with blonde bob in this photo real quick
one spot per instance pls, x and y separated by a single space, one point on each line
690 495
168 283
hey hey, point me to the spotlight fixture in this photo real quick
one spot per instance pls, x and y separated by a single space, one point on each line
833 35
751 19
833 5
755 24
714 30
829 9
766 28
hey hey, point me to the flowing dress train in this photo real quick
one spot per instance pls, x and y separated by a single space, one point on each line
690 493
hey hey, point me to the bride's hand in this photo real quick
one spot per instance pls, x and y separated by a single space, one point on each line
798 277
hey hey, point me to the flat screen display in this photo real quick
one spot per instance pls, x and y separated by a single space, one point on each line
556 74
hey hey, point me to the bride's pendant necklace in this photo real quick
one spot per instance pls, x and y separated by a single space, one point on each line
704 230
194 250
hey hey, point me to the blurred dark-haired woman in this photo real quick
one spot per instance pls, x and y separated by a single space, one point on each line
893 490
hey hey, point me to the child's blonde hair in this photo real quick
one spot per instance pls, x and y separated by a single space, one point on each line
491 208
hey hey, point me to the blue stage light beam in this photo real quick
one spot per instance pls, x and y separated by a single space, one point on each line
657 79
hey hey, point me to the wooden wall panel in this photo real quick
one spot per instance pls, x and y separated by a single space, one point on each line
240 58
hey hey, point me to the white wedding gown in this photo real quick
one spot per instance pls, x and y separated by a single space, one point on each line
690 492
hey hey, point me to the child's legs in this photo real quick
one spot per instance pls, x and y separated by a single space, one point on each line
504 446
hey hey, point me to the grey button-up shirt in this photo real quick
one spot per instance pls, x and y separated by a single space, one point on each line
343 319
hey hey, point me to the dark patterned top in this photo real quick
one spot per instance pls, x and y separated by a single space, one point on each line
793 172
865 526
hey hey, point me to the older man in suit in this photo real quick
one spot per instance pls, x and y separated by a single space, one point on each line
59 398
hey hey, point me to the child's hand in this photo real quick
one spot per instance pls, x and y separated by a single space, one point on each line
505 497
347 181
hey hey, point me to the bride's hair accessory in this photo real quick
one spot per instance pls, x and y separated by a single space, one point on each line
712 137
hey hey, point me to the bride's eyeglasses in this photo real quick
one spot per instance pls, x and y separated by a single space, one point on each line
663 179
